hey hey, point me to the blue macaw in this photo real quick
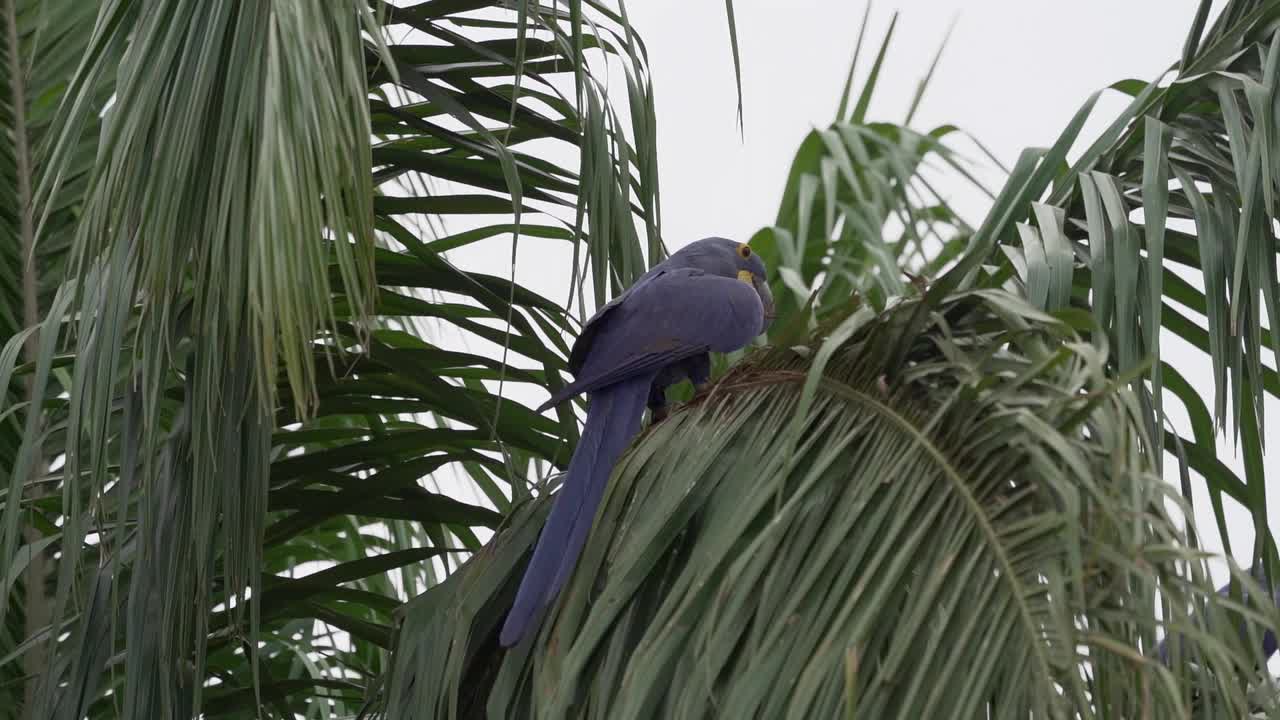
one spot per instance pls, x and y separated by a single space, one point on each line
711 295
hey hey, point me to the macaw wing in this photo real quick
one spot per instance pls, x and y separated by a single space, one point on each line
675 315
586 339
634 366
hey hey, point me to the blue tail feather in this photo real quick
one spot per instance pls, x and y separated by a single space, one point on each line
613 418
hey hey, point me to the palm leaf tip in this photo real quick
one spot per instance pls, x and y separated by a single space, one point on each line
976 530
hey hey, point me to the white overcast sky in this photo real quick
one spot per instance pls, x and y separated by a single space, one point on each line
1012 75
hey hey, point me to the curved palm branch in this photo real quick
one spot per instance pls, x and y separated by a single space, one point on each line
1190 153
979 534
243 397
1195 156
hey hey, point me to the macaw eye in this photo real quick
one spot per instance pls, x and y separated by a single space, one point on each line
744 251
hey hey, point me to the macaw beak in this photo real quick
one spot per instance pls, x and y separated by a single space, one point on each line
766 299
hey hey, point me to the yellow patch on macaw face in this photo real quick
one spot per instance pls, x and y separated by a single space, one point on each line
746 277
744 250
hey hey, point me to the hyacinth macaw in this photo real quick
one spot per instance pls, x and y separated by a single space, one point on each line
710 295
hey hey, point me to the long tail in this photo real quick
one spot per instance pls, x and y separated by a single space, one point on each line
613 418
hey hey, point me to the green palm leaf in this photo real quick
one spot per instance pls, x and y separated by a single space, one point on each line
975 531
1201 261
40 45
242 385
861 206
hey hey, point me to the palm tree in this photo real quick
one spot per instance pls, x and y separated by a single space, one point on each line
235 379
241 405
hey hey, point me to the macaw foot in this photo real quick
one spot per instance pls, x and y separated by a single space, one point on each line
920 282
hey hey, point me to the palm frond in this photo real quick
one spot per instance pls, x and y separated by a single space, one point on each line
40 46
861 212
234 282
1143 230
1165 224
242 383
976 531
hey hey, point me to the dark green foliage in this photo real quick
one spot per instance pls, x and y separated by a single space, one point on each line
249 386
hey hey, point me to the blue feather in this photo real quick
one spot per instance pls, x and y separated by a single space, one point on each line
613 418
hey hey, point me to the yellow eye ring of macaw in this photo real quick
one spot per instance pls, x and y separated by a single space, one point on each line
744 251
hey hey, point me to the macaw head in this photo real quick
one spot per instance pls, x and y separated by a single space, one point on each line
724 257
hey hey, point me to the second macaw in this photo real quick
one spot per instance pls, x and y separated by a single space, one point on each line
711 295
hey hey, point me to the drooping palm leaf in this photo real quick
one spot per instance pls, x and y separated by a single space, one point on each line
1195 156
981 533
210 199
212 405
697 601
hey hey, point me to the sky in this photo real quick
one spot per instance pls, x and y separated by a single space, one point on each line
1012 74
